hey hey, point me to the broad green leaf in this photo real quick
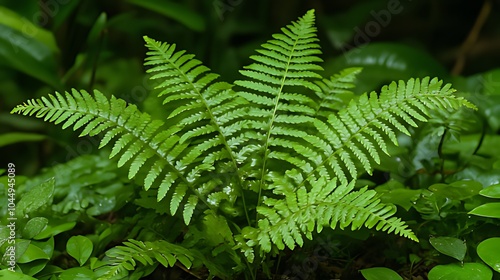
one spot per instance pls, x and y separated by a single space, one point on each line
34 267
28 55
430 204
4 234
16 137
32 253
396 193
401 197
13 20
486 177
469 271
34 226
52 269
489 252
175 11
55 229
80 248
77 273
36 198
380 273
7 274
490 210
458 190
21 246
491 191
97 29
46 246
450 246
105 205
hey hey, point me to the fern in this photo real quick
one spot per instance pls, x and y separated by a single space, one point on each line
137 138
282 143
122 259
286 220
335 92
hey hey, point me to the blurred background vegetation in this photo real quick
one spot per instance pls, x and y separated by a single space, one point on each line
63 44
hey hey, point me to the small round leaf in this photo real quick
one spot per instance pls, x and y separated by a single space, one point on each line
489 252
80 248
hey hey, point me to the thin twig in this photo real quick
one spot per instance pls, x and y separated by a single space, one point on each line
472 37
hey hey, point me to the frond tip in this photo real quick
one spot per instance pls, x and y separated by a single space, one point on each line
357 133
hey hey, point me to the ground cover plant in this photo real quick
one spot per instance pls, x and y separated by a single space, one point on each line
248 179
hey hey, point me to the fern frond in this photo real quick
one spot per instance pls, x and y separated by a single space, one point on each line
137 139
201 106
285 62
278 88
307 197
286 134
359 130
298 213
123 260
335 92
120 260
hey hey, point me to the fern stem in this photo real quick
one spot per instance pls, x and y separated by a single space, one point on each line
271 122
481 139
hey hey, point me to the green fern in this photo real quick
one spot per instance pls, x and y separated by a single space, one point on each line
121 259
285 144
137 138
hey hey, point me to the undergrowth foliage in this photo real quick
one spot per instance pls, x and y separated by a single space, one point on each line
279 148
